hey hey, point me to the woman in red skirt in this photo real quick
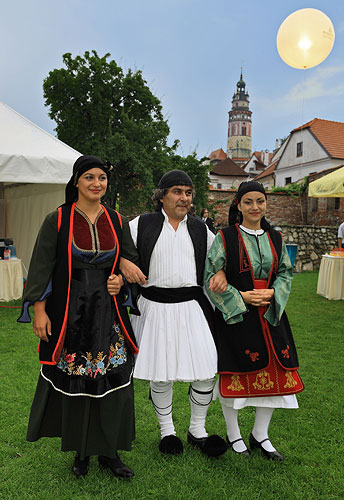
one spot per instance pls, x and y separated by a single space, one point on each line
257 359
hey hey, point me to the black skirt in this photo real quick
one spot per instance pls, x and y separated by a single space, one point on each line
87 398
91 426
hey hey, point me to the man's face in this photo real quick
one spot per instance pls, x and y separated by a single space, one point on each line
177 201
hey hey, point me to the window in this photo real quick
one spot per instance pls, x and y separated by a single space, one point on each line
243 131
299 149
332 203
314 204
218 186
287 180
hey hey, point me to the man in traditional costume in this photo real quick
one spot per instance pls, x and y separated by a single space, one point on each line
174 328
257 359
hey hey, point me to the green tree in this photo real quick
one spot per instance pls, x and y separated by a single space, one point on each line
198 172
100 110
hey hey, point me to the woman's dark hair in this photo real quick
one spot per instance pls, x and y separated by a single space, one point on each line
203 210
235 216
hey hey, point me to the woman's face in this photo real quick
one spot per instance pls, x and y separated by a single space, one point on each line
92 185
253 207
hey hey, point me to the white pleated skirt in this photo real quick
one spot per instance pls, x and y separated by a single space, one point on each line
175 342
289 401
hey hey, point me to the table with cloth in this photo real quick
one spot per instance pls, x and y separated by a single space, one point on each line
11 279
331 277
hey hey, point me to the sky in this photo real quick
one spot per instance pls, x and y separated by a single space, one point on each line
190 53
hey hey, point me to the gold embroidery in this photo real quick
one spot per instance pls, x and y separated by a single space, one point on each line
291 382
236 385
263 381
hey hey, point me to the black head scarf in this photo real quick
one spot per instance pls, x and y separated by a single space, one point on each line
174 178
82 164
234 213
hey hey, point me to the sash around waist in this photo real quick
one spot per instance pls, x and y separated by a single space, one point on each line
93 277
183 294
172 295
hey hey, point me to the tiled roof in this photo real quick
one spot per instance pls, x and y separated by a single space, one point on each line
228 167
330 135
218 154
268 171
258 154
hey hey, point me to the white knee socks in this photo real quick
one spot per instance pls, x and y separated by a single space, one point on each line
233 429
261 427
200 395
161 395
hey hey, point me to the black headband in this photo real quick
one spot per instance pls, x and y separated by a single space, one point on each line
82 164
174 178
246 187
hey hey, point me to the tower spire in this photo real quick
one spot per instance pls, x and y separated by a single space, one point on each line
239 125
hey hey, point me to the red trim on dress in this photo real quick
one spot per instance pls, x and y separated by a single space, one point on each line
59 211
131 343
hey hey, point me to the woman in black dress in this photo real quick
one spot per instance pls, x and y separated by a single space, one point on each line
85 392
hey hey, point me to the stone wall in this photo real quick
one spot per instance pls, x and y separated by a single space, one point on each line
283 208
312 242
313 231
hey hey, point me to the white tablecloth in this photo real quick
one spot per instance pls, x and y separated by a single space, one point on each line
331 278
11 279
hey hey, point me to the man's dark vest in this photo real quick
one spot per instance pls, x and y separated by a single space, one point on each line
235 342
149 229
58 302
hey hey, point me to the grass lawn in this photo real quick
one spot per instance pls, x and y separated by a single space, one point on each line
310 438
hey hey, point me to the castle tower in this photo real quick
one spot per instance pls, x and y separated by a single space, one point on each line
239 126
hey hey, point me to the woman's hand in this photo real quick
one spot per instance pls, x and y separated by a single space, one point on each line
218 282
131 272
114 284
41 322
258 297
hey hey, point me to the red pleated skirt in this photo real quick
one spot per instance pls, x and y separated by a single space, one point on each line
273 380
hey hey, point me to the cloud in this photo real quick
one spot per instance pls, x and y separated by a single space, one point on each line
321 84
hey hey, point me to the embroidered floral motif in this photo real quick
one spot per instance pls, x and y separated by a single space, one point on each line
95 364
253 355
291 382
263 381
285 352
236 385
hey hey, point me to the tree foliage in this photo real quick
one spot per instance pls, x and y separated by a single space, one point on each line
102 111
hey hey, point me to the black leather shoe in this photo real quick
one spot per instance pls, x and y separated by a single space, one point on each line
171 445
116 465
272 455
80 467
212 446
245 453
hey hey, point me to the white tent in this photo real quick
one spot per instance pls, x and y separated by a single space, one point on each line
34 169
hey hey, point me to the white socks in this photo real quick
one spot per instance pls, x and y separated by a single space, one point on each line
259 431
261 427
233 429
200 396
161 396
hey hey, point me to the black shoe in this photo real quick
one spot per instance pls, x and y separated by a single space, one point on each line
245 453
80 467
171 445
272 455
212 446
116 465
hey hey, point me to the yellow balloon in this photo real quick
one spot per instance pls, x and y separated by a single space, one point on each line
305 38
